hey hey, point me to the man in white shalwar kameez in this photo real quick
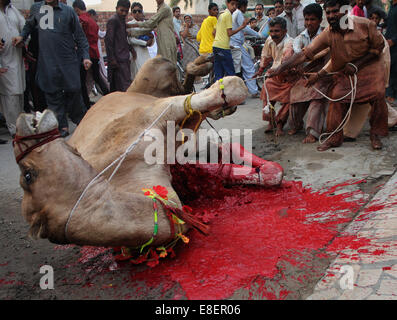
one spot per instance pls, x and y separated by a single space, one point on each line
12 82
140 46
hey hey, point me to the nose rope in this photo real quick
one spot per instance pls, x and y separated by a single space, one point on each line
19 140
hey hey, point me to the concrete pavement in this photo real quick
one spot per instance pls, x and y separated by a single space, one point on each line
372 267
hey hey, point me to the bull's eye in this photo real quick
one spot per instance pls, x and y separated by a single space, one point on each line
28 177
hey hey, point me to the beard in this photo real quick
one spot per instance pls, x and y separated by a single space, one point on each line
334 23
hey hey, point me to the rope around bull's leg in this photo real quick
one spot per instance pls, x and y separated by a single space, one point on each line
120 159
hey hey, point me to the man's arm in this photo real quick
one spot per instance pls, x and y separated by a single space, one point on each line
247 30
231 32
376 46
154 20
81 40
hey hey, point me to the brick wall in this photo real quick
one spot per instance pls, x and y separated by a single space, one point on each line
103 17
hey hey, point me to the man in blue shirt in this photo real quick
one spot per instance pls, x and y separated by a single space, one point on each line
237 41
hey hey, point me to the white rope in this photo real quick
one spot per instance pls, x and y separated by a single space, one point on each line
120 159
352 92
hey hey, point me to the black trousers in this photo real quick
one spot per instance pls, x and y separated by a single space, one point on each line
97 78
63 103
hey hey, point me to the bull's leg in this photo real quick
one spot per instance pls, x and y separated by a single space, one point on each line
254 171
234 89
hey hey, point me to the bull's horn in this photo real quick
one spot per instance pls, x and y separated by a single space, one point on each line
24 125
46 122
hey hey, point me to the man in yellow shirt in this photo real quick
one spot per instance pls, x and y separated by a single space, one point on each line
223 62
206 33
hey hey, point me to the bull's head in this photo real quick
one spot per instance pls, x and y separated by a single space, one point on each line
49 172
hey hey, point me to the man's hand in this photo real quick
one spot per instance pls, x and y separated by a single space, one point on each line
311 77
3 70
87 63
390 42
149 43
1 45
134 25
349 70
272 73
257 74
18 42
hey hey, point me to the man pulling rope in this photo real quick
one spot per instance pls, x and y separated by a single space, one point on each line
350 55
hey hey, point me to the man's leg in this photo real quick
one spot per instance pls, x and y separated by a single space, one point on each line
336 113
56 103
124 76
227 63
282 118
391 91
97 77
75 106
378 120
84 93
218 65
248 71
112 79
315 120
11 107
296 114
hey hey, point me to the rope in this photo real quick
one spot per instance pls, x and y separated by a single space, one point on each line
187 105
352 92
120 160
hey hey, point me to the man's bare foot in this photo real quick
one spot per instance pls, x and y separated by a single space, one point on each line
291 132
279 131
309 139
324 146
269 128
375 142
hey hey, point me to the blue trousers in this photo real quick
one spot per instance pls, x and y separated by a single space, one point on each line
223 63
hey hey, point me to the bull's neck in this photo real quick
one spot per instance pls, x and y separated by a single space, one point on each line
108 217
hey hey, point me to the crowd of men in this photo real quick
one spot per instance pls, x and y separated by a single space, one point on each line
316 57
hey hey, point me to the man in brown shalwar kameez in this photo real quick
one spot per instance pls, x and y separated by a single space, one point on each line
117 49
355 48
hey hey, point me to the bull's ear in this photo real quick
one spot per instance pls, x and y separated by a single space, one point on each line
24 125
46 121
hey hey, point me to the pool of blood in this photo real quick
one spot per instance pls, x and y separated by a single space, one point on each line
251 228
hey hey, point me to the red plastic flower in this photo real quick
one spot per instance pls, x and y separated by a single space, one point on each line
161 191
